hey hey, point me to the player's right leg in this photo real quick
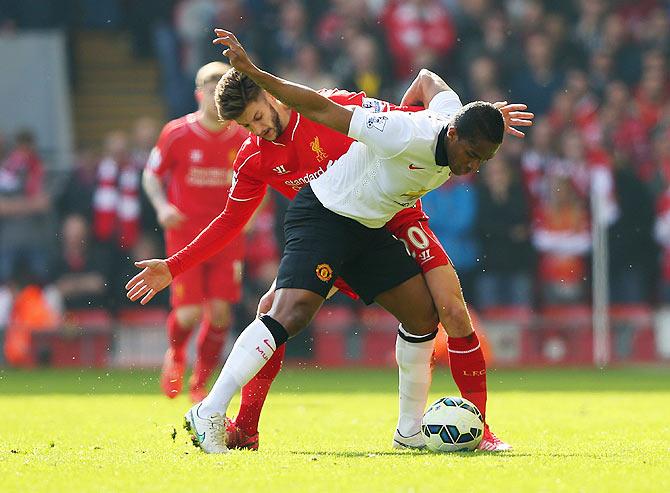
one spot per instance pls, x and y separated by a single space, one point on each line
180 324
411 304
292 311
245 433
389 276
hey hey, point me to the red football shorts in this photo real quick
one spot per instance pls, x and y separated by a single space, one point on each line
421 243
219 277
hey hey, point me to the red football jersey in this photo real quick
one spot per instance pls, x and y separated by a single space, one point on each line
301 153
198 165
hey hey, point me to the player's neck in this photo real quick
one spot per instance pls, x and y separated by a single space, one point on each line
211 124
284 115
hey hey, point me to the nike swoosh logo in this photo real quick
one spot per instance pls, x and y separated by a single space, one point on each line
411 166
267 343
199 436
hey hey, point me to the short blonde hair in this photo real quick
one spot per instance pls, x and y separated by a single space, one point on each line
210 72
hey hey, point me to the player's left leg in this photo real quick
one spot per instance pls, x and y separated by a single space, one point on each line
254 393
180 325
211 338
466 358
222 280
186 295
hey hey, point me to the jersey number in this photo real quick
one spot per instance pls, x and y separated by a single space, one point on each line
417 237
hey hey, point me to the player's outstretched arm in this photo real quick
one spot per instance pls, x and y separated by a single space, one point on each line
428 84
303 99
155 276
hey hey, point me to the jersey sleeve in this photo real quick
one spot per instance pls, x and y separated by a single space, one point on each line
245 195
347 98
391 133
221 231
161 159
387 134
445 103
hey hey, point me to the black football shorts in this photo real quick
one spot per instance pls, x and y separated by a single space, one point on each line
322 245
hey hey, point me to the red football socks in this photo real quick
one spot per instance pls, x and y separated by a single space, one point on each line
209 345
177 337
468 368
255 392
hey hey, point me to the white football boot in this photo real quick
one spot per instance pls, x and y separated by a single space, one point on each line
414 441
207 433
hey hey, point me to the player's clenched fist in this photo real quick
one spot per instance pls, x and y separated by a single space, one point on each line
235 52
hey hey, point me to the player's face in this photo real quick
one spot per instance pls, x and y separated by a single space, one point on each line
261 118
465 156
207 101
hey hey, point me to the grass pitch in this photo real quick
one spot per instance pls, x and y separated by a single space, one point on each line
573 430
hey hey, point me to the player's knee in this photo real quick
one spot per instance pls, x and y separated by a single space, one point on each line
188 316
221 321
455 319
294 317
423 322
220 314
297 321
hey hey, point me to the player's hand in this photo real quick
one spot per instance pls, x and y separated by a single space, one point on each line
235 52
515 116
266 301
169 216
154 277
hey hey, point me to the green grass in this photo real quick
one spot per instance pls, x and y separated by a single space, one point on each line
573 430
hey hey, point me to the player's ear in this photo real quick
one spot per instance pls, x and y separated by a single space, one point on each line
452 133
198 95
268 98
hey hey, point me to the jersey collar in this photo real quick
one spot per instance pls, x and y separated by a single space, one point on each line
200 129
441 157
289 132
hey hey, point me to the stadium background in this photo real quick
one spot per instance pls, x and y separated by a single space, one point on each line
562 242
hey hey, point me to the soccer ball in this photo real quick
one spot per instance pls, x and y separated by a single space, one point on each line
452 424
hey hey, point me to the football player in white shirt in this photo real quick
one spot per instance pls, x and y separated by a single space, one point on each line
401 160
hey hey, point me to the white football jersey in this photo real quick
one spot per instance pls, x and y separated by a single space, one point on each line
392 164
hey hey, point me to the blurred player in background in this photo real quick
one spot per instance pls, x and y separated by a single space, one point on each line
187 178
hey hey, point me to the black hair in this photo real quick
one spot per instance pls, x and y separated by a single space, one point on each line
480 120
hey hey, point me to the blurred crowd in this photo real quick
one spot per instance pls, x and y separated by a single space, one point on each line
595 73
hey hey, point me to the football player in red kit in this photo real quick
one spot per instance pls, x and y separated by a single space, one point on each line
287 152
187 178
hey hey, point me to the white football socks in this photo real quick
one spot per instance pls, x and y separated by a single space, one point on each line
252 349
415 375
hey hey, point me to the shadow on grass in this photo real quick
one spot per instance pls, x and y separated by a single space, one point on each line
404 453
351 454
350 381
